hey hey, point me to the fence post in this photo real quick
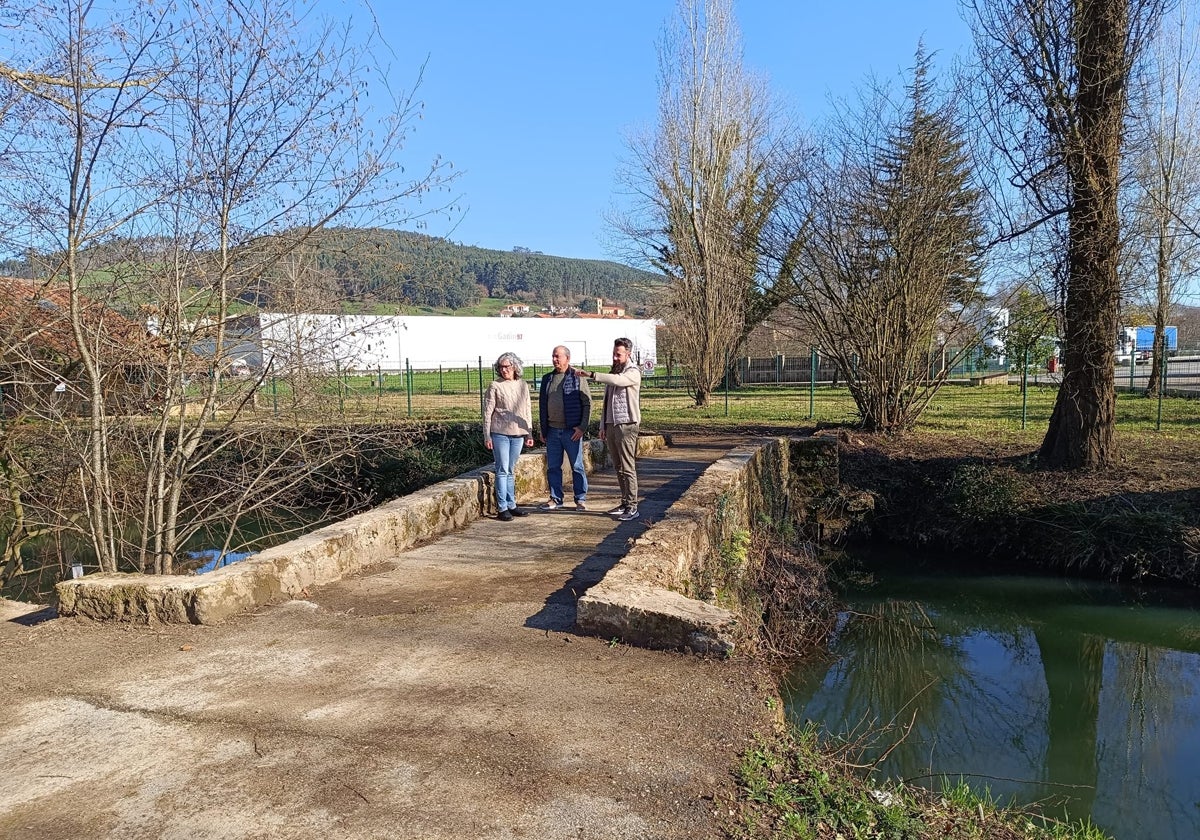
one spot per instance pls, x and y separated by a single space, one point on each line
408 387
1132 365
337 372
728 376
812 382
480 358
1024 386
440 391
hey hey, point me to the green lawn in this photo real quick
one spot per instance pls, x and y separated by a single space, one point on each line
1000 412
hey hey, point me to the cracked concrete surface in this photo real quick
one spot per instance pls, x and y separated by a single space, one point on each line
440 695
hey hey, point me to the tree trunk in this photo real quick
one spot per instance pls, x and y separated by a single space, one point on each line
1080 434
1157 359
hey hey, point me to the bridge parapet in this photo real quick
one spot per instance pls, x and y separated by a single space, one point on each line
287 570
644 599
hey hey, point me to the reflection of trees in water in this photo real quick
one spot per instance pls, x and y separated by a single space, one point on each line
1073 667
893 664
1096 724
1148 712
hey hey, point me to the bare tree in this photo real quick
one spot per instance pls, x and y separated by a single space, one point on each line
891 259
1166 169
212 144
705 188
1056 78
77 110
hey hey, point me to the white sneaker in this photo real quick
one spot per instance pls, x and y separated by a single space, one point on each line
617 511
580 505
632 513
550 505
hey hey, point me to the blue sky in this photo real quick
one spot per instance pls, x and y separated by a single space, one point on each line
532 100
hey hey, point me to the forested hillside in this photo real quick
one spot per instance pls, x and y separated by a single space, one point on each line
391 266
352 269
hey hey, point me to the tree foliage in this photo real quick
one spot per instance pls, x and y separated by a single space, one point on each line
893 250
706 188
1030 334
415 269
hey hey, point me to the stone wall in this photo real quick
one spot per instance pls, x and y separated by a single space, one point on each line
323 556
644 599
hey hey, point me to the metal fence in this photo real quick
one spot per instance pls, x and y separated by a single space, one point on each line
761 390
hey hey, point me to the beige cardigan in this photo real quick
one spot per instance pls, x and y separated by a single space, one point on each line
506 409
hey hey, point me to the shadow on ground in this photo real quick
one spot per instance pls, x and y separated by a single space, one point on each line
662 483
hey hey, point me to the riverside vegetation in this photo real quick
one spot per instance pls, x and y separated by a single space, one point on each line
966 484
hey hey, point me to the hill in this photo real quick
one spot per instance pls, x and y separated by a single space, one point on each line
412 269
375 270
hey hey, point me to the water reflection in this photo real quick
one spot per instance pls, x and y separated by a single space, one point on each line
1066 694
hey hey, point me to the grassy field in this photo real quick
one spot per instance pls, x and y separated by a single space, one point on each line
1002 412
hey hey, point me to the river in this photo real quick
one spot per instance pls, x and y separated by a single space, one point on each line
1082 697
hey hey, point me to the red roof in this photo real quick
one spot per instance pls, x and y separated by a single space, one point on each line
35 319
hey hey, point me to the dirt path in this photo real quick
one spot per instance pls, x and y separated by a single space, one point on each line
441 696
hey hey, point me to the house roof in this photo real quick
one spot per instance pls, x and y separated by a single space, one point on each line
35 321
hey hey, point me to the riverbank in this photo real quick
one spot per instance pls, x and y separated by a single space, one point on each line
799 780
955 496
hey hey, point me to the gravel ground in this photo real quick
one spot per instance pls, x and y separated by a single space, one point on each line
442 695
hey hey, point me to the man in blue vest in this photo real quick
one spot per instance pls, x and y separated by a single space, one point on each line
564 411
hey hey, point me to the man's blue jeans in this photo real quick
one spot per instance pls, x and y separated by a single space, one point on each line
558 443
506 449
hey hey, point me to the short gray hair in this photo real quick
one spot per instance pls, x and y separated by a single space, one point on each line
513 359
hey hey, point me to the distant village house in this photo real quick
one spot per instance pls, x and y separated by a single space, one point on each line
40 367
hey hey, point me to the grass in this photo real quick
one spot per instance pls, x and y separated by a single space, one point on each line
1000 413
800 786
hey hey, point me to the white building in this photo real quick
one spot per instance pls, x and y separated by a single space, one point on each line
424 342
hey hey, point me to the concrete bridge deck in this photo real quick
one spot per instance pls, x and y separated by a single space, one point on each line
442 694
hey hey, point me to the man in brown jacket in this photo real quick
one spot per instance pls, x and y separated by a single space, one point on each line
621 421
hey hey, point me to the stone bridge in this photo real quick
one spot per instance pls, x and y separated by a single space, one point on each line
634 586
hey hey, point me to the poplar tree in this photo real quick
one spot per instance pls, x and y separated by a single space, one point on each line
704 180
1056 85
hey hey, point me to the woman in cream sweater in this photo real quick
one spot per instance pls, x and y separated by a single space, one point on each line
507 426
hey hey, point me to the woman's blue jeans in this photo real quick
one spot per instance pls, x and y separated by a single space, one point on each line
506 449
